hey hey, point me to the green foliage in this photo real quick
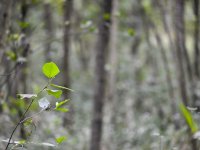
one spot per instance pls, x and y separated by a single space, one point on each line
24 25
59 104
62 109
11 55
106 16
131 32
61 87
188 118
55 93
61 139
22 142
50 70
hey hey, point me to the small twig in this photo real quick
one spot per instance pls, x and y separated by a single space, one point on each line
24 114
32 116
27 109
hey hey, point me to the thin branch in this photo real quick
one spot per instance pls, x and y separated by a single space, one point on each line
32 116
24 114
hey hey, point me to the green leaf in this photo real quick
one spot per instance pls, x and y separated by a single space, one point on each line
60 139
131 32
24 25
11 55
26 96
59 104
22 142
61 87
50 70
62 109
106 16
55 93
188 118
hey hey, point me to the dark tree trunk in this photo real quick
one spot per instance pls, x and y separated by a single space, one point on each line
5 12
111 96
180 46
68 10
196 40
181 26
196 52
22 74
49 30
181 55
100 74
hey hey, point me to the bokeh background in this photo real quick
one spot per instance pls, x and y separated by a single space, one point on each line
133 66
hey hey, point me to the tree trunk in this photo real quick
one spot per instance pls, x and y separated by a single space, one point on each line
152 59
181 54
49 30
111 97
100 74
5 12
196 40
167 71
196 53
22 73
68 10
180 45
162 10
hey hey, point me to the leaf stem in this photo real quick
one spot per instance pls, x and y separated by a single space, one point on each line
24 114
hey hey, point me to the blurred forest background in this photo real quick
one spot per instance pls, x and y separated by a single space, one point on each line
134 66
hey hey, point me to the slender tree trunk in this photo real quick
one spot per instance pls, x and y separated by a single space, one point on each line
151 54
167 70
22 74
49 30
100 74
111 97
196 40
68 10
5 12
180 45
159 6
196 53
137 26
166 24
181 54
